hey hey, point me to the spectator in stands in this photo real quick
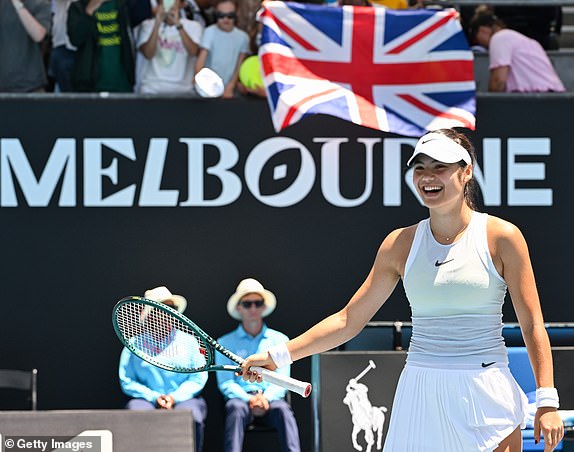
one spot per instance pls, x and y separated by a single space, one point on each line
169 43
245 401
101 31
246 16
149 387
517 63
456 392
63 53
224 46
23 26
391 4
199 10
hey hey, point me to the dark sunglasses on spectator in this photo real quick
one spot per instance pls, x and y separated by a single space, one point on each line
223 15
248 304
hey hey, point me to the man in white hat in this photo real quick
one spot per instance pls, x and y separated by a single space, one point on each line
246 401
149 387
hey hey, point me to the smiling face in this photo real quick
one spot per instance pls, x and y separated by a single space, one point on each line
439 184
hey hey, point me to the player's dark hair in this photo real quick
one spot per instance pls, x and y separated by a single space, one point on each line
471 188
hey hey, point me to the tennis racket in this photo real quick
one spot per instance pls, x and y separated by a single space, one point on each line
167 339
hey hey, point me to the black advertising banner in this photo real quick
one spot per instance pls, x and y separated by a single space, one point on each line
101 198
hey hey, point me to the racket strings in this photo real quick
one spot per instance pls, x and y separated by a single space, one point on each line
162 338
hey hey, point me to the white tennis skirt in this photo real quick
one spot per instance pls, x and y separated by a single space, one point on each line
454 410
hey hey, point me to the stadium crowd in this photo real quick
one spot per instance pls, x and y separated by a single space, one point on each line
158 46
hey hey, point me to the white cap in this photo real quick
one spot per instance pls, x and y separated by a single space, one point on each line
441 148
208 83
162 294
246 286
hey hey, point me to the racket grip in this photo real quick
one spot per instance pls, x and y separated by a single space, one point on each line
300 387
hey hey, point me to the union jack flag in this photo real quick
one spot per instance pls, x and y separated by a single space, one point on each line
400 71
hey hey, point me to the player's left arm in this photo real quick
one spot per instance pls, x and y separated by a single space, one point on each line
512 259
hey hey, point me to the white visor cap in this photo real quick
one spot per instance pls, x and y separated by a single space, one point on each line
441 148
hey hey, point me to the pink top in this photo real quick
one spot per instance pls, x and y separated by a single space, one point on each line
530 67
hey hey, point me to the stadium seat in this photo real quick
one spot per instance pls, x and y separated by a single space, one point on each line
18 389
383 335
375 336
560 334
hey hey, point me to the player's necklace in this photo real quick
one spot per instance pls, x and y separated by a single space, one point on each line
451 237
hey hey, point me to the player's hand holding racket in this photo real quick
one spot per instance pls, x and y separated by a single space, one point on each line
167 339
256 361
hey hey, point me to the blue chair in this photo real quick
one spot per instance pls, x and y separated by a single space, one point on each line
521 370
381 335
375 336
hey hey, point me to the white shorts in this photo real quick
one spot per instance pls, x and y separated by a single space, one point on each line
454 410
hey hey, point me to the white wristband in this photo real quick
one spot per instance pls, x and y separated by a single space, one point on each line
18 4
547 397
280 355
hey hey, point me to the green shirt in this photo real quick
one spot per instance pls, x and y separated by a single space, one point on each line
112 75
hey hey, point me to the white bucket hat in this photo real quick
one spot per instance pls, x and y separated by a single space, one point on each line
162 294
441 148
208 83
246 286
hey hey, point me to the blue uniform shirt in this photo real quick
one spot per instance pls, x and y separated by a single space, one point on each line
243 344
141 380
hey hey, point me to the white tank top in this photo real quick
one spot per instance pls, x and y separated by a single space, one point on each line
456 297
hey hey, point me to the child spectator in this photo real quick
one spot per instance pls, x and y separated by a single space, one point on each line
170 44
224 46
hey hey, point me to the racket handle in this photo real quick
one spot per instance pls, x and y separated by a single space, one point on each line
300 387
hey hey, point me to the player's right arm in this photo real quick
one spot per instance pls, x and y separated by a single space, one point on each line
341 326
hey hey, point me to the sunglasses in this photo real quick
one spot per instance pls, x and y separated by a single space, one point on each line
224 15
248 304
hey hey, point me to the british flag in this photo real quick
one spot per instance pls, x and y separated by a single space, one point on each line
400 71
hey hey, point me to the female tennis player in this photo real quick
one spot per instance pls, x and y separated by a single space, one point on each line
456 393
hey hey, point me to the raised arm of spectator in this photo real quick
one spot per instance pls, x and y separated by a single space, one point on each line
201 57
149 48
33 27
190 45
174 18
92 6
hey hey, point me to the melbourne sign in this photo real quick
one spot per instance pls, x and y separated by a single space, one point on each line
76 171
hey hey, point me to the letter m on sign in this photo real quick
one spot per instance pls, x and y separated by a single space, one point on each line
61 165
